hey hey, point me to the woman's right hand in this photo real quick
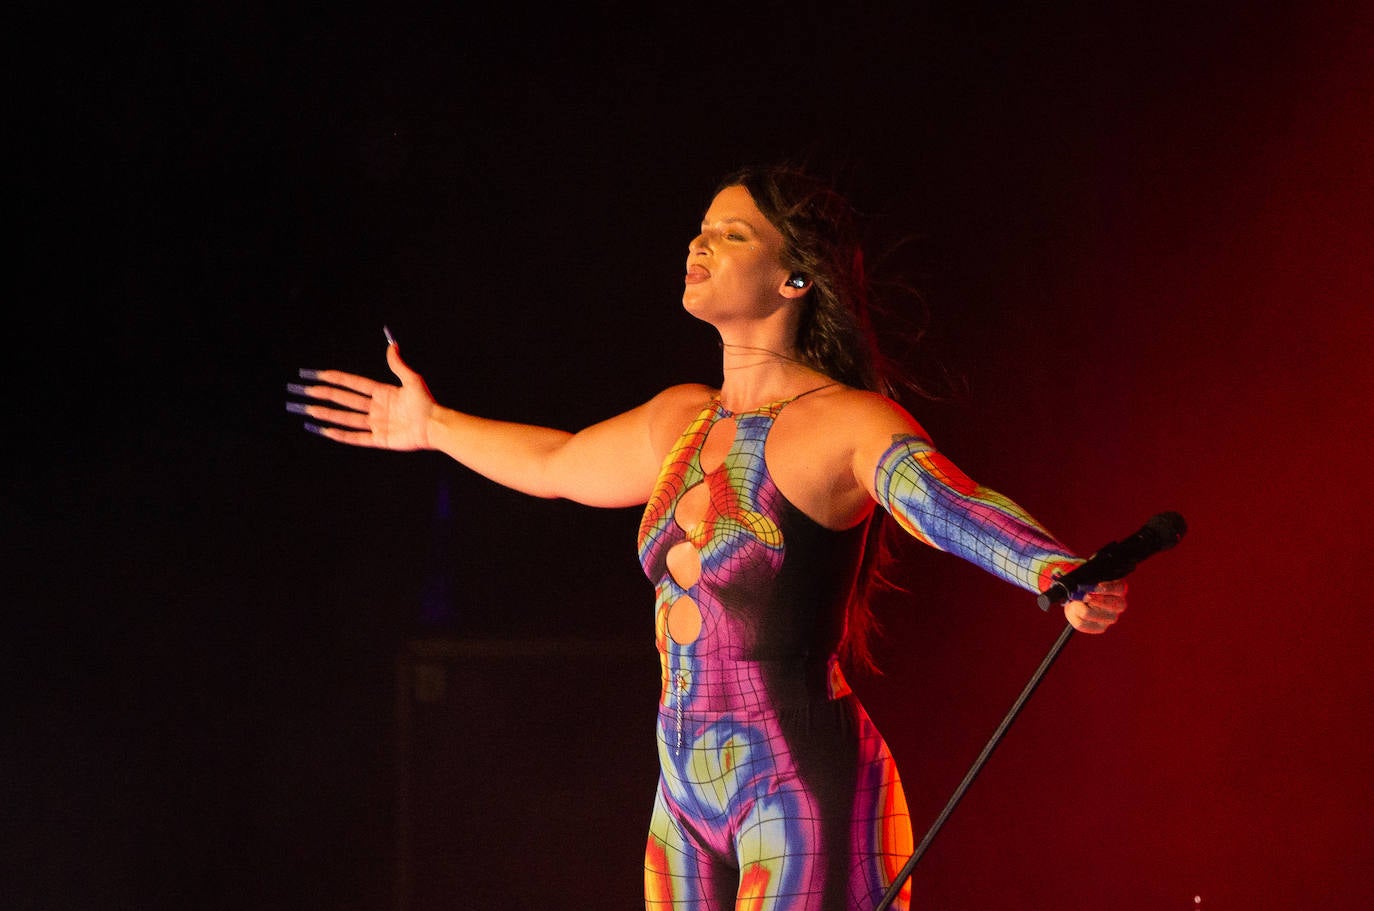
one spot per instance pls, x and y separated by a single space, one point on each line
370 413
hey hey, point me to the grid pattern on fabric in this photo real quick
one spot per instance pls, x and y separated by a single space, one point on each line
776 791
940 505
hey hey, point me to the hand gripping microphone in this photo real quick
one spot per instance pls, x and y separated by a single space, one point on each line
1117 559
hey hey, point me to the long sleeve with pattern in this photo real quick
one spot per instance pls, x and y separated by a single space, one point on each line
940 505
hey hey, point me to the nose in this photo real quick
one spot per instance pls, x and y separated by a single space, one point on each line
697 244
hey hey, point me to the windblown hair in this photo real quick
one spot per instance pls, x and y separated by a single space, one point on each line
821 241
820 232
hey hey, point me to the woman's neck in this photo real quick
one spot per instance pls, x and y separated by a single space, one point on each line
760 361
754 376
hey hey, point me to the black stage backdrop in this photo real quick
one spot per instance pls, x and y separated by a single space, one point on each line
1142 232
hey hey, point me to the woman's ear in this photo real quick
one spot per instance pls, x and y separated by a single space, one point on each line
795 286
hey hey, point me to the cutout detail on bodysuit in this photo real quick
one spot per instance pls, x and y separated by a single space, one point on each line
684 621
684 564
720 439
684 558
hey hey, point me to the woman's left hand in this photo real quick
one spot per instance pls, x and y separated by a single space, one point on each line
1098 609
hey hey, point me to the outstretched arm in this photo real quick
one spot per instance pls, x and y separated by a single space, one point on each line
937 503
611 464
940 505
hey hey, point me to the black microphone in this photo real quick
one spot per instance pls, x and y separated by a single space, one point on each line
1117 559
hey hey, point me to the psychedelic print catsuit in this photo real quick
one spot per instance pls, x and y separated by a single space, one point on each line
776 792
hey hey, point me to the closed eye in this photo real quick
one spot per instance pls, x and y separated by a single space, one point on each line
729 231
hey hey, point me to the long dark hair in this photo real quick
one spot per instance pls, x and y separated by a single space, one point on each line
822 241
820 231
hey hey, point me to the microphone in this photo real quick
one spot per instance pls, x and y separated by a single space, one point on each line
1118 558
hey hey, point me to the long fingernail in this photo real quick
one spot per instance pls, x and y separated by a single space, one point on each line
312 428
390 339
308 374
296 407
295 389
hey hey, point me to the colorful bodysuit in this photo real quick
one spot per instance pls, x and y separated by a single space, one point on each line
776 792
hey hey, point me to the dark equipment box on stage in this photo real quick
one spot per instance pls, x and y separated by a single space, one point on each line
525 773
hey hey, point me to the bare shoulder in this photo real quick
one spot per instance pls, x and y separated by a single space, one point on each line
683 392
857 414
850 430
669 412
823 447
684 399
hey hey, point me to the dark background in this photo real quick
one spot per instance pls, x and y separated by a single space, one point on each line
1144 236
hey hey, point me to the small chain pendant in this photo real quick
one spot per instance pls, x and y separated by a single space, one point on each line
679 695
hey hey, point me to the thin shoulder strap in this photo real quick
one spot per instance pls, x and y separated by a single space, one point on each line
785 402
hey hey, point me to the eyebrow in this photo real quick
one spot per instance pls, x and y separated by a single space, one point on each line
732 221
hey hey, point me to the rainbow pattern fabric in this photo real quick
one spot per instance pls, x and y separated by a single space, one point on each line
776 791
940 505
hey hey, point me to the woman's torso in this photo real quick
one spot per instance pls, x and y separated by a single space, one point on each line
750 592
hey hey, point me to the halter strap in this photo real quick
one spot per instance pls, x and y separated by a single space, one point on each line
775 407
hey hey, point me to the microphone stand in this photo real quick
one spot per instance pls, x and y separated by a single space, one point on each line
906 871
1113 561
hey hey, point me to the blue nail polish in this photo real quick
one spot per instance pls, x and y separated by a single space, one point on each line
296 407
312 428
390 339
295 389
308 374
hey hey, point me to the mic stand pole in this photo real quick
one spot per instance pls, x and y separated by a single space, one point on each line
978 763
